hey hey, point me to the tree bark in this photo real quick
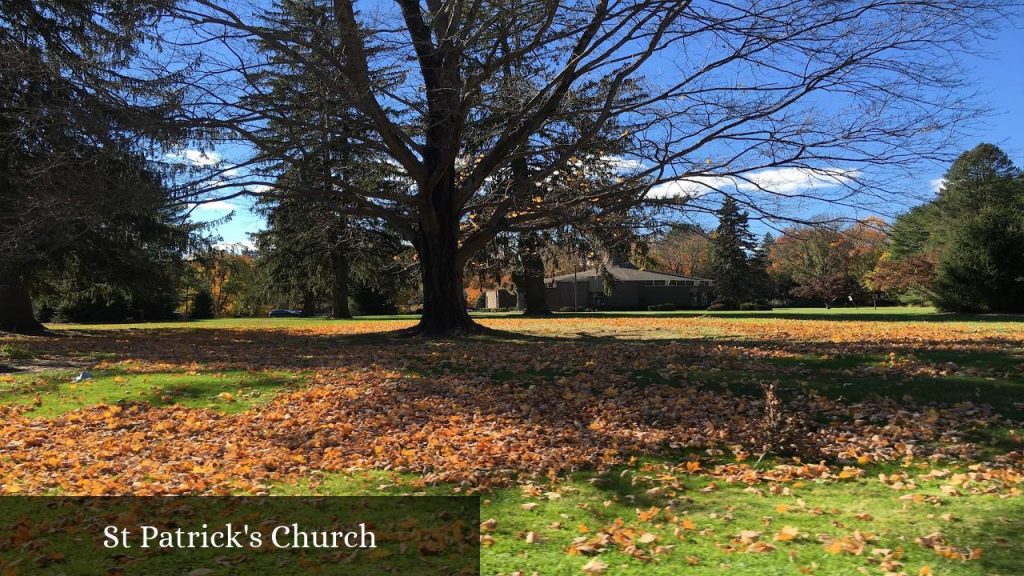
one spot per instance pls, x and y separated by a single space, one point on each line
16 308
529 278
441 267
339 284
308 303
444 304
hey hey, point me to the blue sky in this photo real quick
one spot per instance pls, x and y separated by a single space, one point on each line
998 76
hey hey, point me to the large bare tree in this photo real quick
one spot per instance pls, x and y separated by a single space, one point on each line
700 95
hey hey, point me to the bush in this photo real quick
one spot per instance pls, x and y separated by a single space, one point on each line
719 306
202 305
106 303
661 307
754 306
571 309
369 302
481 301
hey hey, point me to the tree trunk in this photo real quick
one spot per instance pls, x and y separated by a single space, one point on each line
339 284
444 303
16 308
529 278
437 245
308 304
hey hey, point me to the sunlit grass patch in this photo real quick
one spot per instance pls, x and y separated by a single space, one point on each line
54 393
639 520
14 351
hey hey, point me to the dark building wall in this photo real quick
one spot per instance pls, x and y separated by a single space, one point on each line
679 295
624 295
627 295
560 296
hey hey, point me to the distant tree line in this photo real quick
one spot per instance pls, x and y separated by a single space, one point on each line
961 252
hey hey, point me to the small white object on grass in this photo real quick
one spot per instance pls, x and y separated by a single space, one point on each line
83 376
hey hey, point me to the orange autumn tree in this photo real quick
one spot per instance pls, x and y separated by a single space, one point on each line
684 249
828 261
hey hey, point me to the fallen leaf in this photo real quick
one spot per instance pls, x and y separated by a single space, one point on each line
595 566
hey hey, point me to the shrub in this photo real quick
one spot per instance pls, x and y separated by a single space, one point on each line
661 307
202 305
367 300
754 306
106 303
719 306
571 309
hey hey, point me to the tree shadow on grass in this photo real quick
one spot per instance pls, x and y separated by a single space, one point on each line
510 352
496 401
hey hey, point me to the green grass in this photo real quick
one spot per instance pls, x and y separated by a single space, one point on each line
13 351
816 509
54 393
994 378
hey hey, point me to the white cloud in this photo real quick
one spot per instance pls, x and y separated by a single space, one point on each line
198 158
216 206
693 187
784 181
623 164
937 184
259 188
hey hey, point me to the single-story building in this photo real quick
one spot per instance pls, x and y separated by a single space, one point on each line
632 289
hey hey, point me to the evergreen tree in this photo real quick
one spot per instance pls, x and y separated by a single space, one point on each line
75 129
315 143
313 254
202 305
981 268
964 249
763 288
732 245
305 249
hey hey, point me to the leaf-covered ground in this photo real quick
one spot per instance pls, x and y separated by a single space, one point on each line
602 444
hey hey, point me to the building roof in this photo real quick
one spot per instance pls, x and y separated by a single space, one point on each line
625 274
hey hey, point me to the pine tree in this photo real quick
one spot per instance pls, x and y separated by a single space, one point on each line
761 281
315 144
968 241
75 129
731 267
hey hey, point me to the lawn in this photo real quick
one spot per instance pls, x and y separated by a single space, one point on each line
610 443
